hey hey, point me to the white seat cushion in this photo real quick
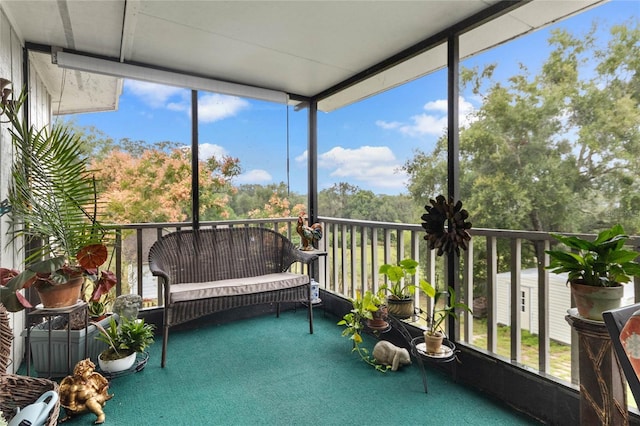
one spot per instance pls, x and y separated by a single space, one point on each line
237 286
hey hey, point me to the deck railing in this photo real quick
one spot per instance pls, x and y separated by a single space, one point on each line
355 250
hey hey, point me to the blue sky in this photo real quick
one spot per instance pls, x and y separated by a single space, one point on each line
364 144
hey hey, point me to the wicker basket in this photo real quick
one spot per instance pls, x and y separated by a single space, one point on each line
16 390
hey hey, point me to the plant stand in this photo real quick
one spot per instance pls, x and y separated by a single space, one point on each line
603 392
141 362
418 350
49 347
36 314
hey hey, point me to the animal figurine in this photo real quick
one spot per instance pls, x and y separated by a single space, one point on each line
389 354
84 391
308 234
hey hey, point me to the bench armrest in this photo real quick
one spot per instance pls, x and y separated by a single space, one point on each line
156 270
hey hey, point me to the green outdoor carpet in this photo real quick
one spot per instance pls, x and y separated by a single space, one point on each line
271 371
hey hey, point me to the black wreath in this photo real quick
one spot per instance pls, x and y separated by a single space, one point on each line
446 239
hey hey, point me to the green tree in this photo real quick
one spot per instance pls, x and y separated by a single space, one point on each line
251 197
557 151
95 143
344 200
333 202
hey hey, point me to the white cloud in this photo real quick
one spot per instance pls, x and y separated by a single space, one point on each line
208 150
257 176
375 166
179 106
431 122
388 125
424 124
154 95
439 106
213 107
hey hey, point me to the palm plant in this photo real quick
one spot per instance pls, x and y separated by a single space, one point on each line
54 208
52 194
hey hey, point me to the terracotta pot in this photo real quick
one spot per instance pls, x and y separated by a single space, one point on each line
379 319
98 318
60 296
400 308
591 301
433 342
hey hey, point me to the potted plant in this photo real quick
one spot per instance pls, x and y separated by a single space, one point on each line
53 214
51 341
97 310
363 309
400 293
442 308
54 208
124 341
596 269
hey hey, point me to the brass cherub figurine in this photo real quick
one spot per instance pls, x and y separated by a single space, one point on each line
85 391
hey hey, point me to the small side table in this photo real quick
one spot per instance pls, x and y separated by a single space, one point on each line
603 392
50 314
312 267
311 271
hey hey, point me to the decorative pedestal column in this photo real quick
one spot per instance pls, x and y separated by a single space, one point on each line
603 391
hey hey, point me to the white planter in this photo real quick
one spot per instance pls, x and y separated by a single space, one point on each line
117 365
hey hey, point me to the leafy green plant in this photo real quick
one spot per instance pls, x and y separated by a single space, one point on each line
97 309
124 339
440 312
399 275
603 262
362 309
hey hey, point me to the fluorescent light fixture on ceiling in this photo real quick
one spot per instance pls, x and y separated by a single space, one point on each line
171 78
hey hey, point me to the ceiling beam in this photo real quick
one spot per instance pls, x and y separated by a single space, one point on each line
172 78
488 14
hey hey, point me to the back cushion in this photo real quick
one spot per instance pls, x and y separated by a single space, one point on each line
630 338
217 254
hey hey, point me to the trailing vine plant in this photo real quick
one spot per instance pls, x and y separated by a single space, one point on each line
362 310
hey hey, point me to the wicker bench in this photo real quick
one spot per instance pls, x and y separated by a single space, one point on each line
212 270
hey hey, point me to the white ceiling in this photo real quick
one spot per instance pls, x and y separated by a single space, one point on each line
299 47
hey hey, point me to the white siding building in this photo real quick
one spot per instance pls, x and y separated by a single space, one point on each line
559 303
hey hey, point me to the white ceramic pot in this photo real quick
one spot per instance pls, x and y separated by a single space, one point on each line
116 365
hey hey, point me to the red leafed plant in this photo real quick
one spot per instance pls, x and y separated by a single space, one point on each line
56 271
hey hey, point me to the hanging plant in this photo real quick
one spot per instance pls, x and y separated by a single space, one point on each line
446 226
